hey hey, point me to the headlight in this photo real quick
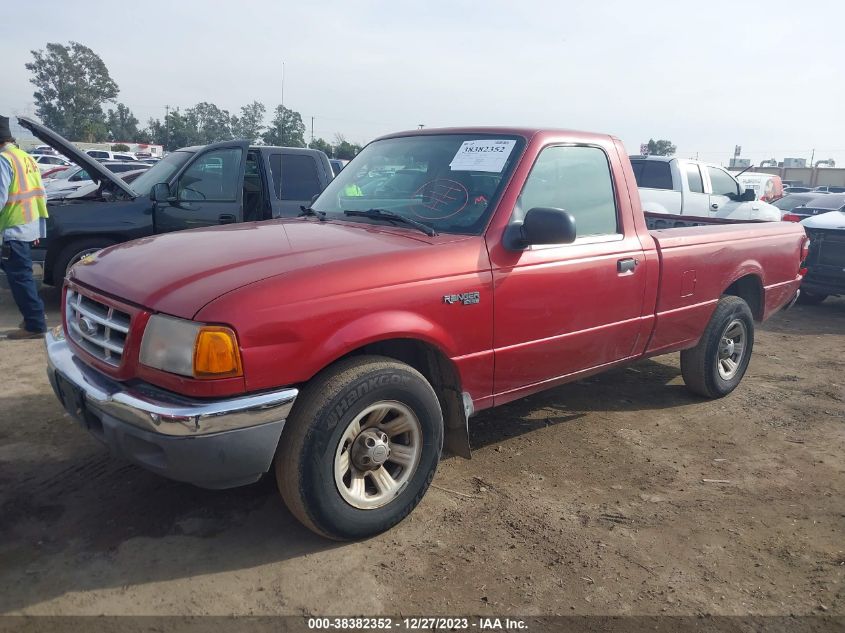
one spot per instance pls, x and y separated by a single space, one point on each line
190 349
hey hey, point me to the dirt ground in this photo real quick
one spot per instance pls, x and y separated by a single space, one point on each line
588 499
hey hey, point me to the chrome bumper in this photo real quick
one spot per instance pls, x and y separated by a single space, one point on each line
212 444
153 409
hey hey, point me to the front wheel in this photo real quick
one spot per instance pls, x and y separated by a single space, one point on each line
360 447
74 252
715 366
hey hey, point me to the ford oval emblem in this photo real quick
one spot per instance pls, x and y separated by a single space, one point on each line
87 325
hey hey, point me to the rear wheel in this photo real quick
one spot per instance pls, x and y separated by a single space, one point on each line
810 298
715 366
360 447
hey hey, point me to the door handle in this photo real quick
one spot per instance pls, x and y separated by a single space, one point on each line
715 206
226 218
627 265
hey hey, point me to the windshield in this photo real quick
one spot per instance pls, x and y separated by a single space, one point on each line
162 171
449 182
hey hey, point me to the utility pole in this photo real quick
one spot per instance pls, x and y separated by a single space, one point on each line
282 109
312 132
421 126
166 131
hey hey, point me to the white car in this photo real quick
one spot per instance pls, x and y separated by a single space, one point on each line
46 162
676 186
101 154
75 180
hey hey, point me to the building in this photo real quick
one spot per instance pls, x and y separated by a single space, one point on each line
792 163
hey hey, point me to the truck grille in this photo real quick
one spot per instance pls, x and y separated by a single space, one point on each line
97 328
832 251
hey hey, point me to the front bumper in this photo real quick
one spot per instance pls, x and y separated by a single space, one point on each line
209 443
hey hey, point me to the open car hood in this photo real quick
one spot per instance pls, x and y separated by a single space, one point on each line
98 173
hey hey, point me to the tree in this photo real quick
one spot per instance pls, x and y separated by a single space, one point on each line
344 149
122 124
72 84
120 147
323 145
661 148
251 122
286 129
210 123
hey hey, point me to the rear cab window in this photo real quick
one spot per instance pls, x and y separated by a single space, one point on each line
694 180
295 176
652 174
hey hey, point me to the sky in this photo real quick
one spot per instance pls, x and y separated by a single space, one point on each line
768 76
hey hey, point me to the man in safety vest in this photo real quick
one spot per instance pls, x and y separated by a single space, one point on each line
23 214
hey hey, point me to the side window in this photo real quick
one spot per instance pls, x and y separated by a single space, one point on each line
295 176
653 174
694 181
577 180
214 176
80 175
723 184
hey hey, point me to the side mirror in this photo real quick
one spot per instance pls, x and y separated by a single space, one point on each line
748 196
160 192
542 225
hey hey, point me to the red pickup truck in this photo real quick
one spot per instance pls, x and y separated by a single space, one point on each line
441 273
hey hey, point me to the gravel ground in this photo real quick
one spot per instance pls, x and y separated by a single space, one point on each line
588 499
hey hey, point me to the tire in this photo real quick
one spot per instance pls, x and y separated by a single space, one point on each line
75 251
706 367
314 478
810 298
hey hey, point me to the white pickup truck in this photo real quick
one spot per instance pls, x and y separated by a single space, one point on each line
676 186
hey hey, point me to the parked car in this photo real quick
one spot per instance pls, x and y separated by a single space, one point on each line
53 173
223 183
767 187
47 162
43 149
344 348
337 164
101 154
78 178
89 189
676 186
826 260
819 205
794 189
829 189
793 200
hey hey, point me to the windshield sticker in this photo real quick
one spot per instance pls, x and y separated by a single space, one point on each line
485 155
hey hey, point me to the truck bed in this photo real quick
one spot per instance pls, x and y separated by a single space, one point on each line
698 263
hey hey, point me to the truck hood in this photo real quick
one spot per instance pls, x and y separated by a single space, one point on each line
179 273
833 220
98 173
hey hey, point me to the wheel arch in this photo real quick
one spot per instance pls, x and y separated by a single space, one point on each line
749 288
60 243
443 375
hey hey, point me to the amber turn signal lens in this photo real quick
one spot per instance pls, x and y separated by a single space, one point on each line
216 353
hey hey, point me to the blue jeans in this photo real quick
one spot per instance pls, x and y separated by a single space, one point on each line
17 264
